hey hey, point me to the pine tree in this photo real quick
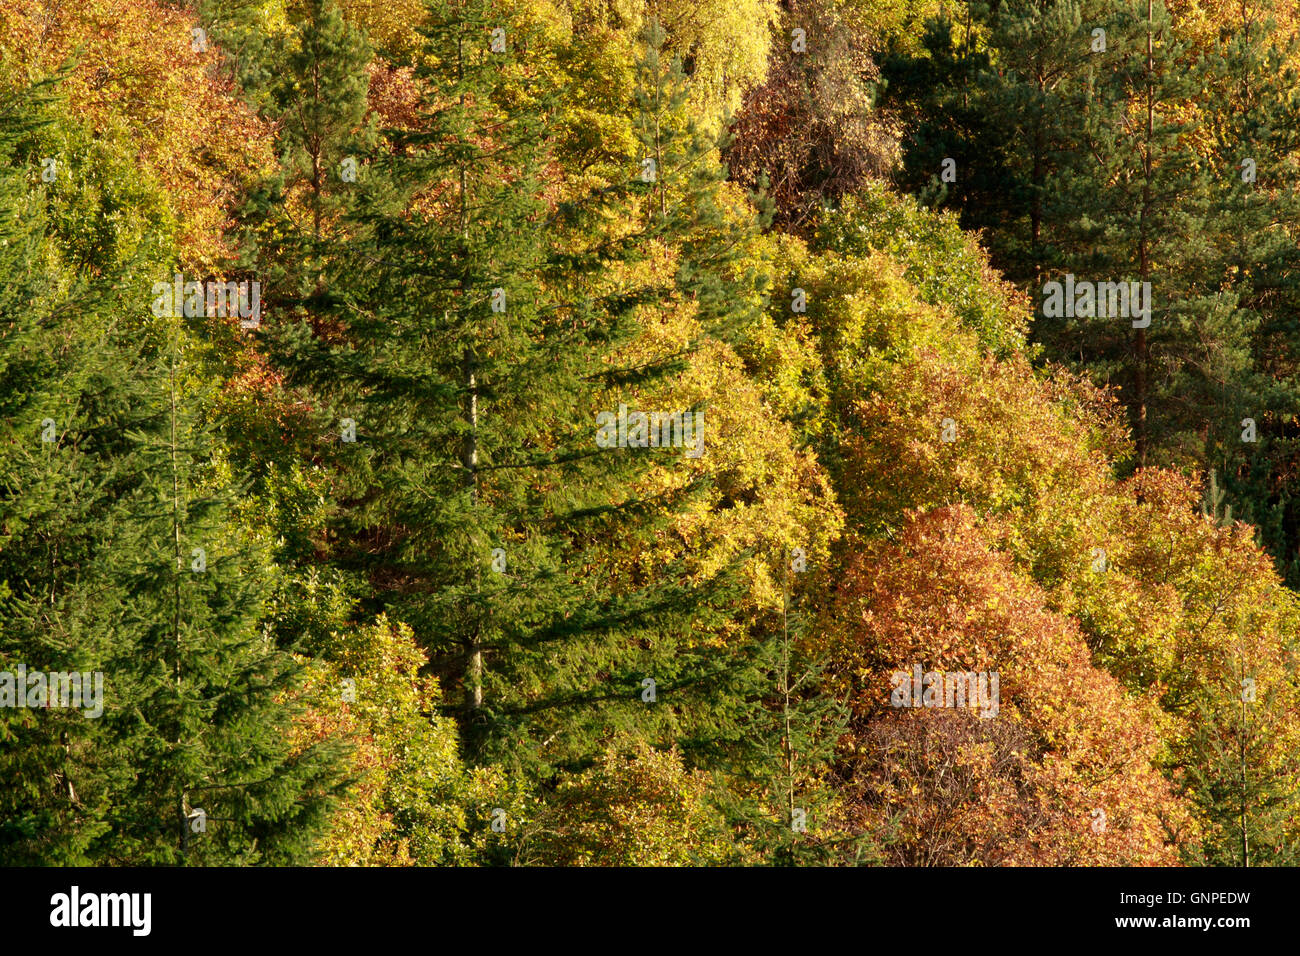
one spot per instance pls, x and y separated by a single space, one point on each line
1029 95
940 85
50 503
1212 503
292 223
1141 210
237 31
1240 776
1255 153
212 693
150 586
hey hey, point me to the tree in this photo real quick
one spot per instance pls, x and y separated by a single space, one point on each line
1243 780
641 808
1255 152
475 319
788 801
412 799
1035 757
1162 596
116 572
209 717
1141 213
1032 93
811 131
319 97
50 508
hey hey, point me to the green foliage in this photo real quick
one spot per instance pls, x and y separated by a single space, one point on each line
412 796
367 588
786 800
637 809
944 264
474 322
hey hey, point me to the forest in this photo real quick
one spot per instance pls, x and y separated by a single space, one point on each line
645 433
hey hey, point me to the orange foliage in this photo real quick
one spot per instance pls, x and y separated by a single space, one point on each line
137 81
1027 786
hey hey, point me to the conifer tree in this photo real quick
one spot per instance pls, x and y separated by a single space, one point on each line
210 692
1255 153
1240 776
940 84
1030 95
480 308
319 97
292 231
148 587
1142 213
237 31
784 793
1080 158
47 506
179 701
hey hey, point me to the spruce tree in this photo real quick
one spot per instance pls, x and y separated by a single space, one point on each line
50 504
152 585
292 222
212 692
